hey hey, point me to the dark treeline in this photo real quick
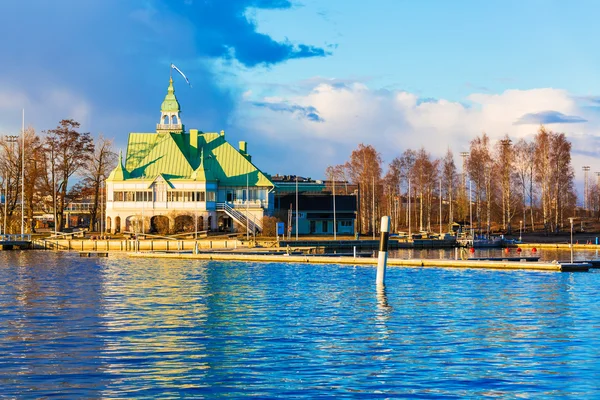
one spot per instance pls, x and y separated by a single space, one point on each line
522 185
60 166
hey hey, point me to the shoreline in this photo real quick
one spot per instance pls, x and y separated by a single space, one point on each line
311 245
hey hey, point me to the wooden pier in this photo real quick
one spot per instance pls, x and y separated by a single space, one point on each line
93 254
430 263
9 242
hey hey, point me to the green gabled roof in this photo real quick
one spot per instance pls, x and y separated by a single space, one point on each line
170 103
172 155
151 154
228 165
119 173
201 173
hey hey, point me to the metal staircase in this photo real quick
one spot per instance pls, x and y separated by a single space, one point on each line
240 217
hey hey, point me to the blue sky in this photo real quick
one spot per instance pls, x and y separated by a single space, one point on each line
306 81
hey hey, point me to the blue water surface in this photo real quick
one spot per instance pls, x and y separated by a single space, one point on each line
148 328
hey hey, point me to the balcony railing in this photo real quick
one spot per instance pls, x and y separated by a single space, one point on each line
170 127
244 203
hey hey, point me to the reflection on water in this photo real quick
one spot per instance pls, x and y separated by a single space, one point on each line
463 253
122 328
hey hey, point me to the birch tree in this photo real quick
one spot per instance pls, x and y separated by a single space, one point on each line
364 169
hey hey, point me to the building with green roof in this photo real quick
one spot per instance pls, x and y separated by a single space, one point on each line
175 179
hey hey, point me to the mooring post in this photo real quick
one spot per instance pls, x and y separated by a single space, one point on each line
383 249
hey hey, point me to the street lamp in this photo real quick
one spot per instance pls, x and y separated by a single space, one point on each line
520 230
471 210
571 221
296 207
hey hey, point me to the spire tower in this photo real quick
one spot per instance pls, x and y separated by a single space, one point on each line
170 120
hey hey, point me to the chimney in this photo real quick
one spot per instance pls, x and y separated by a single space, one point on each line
193 149
244 150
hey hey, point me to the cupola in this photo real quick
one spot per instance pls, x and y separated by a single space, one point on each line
170 120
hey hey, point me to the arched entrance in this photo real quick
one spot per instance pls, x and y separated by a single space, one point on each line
117 224
184 223
201 223
133 224
107 227
159 224
225 224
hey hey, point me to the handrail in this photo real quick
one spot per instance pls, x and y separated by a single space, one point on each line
63 235
239 216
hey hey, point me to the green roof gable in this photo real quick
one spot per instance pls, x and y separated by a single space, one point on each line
119 173
191 156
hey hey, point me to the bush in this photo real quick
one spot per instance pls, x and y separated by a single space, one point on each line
270 225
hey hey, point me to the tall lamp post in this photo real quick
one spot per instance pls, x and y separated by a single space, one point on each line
23 175
334 217
440 208
1 199
571 221
471 210
247 200
586 199
520 230
409 221
296 207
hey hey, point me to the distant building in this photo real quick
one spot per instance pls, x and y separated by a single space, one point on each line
182 180
316 212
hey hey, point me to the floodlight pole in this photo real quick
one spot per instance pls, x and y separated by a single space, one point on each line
296 207
571 221
23 174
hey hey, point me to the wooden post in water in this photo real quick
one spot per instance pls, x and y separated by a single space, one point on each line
383 249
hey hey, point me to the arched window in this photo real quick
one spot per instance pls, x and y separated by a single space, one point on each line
174 120
166 120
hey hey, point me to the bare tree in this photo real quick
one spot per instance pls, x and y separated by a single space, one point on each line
11 171
407 162
524 158
449 181
504 166
102 162
34 168
543 173
392 180
480 167
364 169
71 152
563 174
424 175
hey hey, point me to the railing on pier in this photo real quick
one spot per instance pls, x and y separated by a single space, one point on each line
26 237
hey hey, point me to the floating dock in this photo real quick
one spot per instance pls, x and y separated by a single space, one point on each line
310 259
93 254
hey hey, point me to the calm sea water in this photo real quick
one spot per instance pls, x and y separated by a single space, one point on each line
122 328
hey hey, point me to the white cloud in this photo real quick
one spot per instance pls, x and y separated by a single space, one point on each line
393 121
41 108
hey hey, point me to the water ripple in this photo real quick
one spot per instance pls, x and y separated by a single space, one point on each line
123 328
